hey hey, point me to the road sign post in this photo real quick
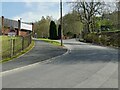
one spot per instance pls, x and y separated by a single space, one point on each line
12 37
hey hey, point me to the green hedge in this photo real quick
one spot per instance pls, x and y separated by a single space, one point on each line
106 39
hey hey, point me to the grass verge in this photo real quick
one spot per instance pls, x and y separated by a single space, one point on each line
50 41
19 54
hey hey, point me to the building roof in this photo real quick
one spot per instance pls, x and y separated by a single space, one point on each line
10 23
14 24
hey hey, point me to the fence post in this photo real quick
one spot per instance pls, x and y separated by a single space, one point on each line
28 37
28 40
9 43
13 46
22 43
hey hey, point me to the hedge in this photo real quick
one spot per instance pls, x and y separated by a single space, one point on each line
104 38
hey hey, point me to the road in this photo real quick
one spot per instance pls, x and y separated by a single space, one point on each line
41 51
85 66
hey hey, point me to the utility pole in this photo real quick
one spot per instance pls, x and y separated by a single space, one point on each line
61 23
118 14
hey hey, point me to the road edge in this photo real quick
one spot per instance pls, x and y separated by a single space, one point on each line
28 66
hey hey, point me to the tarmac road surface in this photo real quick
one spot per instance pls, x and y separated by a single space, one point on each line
85 66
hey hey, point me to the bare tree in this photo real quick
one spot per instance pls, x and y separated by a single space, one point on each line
87 11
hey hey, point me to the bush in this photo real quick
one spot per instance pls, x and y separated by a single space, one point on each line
92 38
88 38
103 40
70 34
115 40
96 40
106 39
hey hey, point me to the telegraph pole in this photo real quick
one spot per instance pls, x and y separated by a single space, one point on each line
61 22
118 14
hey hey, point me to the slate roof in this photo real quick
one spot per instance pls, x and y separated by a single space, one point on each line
9 23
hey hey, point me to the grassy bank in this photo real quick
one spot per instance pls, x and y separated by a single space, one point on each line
50 41
19 54
14 45
6 45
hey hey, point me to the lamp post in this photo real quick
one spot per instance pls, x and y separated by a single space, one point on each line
61 22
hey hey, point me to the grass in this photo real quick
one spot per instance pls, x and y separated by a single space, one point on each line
50 41
6 45
0 47
19 54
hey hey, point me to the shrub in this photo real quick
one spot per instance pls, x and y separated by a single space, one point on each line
92 38
88 38
70 34
96 39
106 39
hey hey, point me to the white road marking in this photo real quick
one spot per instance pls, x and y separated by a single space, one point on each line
32 65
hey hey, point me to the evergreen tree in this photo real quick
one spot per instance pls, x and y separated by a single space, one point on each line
53 30
59 32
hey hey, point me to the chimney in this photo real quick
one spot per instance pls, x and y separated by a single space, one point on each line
33 29
3 25
18 27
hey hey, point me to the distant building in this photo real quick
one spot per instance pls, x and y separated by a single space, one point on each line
21 29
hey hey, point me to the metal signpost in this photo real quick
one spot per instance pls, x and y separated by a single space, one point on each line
12 37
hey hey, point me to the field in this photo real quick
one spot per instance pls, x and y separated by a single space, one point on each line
7 46
12 46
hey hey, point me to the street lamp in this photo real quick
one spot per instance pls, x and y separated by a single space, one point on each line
61 22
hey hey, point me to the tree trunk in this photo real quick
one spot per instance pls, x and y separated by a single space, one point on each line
88 28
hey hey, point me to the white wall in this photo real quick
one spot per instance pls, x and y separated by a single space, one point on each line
26 27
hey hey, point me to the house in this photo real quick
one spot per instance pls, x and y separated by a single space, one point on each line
20 28
25 29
